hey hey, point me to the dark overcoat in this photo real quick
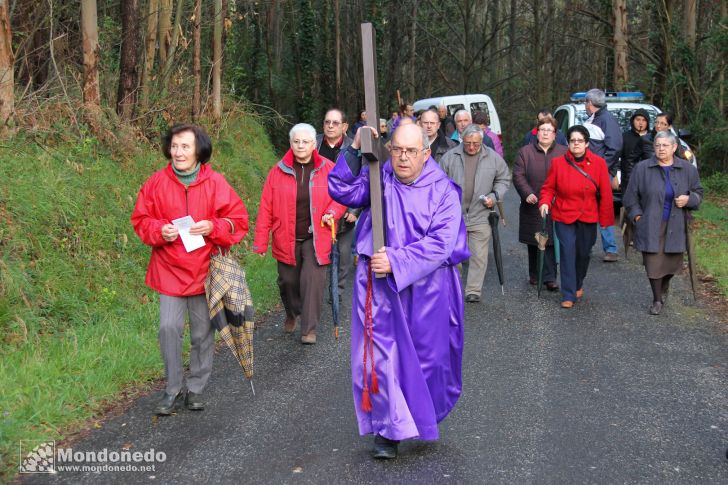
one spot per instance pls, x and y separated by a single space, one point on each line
529 172
646 195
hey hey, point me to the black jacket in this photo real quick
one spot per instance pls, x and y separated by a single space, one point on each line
632 147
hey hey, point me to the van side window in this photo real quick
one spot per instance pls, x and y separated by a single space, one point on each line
481 106
454 108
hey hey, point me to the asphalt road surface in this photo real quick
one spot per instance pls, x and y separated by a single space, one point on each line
602 393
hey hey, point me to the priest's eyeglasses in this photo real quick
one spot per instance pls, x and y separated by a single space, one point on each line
409 152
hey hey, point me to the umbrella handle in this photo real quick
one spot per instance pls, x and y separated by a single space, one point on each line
333 229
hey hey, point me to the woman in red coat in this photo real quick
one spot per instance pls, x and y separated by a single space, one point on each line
296 208
578 193
186 188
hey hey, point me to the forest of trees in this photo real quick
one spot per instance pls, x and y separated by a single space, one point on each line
90 64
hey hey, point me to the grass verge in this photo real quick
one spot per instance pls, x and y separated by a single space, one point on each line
77 323
711 231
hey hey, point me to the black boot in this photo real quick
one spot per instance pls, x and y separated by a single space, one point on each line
194 401
384 448
168 404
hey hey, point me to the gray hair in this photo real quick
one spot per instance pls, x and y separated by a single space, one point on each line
472 130
302 127
666 134
596 97
455 116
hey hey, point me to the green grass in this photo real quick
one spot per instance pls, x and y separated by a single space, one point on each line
77 324
711 235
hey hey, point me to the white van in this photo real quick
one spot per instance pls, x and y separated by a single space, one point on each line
470 102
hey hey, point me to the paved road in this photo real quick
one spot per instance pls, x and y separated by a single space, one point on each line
603 393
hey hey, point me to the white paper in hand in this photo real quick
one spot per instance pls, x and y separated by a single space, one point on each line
190 241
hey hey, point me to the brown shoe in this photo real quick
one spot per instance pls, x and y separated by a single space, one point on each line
290 325
552 286
309 339
567 304
610 258
580 293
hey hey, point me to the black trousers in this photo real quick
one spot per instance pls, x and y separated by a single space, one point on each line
302 286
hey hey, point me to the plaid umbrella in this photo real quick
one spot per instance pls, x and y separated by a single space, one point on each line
231 308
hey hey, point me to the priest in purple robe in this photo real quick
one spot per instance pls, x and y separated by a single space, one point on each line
407 328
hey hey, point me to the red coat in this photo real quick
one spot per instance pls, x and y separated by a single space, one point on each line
277 212
172 270
576 198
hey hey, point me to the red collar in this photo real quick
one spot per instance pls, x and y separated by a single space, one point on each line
317 159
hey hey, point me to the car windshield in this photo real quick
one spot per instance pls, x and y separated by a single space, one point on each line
622 114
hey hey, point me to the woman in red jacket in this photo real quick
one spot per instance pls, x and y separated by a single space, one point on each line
578 193
296 208
186 187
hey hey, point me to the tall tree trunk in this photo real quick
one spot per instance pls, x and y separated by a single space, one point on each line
7 83
621 71
337 34
128 73
150 49
690 22
413 55
196 69
165 30
217 61
721 89
167 70
90 34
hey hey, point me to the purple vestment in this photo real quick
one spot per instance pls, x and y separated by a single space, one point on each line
417 309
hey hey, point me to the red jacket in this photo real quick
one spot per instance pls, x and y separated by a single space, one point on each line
575 194
277 212
172 270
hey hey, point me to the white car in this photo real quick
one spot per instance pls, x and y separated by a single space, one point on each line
470 102
621 104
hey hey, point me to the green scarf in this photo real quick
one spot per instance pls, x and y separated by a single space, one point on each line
187 178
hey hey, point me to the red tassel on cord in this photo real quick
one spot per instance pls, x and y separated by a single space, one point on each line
375 383
366 403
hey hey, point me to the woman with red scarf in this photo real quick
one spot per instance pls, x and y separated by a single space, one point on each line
578 193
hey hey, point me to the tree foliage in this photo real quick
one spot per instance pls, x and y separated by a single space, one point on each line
281 57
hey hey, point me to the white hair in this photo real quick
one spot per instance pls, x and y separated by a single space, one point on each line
305 127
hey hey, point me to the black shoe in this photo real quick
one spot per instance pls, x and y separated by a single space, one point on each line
194 401
656 308
472 298
384 449
168 404
551 286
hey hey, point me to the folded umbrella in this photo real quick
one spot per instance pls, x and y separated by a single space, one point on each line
627 230
497 256
334 279
542 238
231 308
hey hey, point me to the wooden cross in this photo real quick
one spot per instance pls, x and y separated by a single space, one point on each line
371 148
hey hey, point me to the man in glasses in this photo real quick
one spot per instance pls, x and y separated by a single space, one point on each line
406 328
605 140
439 144
332 141
481 174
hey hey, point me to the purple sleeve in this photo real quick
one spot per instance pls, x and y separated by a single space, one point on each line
415 261
345 187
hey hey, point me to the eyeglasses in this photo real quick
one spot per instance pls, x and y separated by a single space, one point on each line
410 152
577 141
332 122
301 142
546 130
472 143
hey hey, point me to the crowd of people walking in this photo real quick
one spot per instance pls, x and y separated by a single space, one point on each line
444 177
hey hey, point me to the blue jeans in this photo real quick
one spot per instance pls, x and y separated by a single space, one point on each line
576 241
609 244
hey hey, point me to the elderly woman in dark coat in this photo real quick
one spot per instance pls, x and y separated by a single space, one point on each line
661 191
529 172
